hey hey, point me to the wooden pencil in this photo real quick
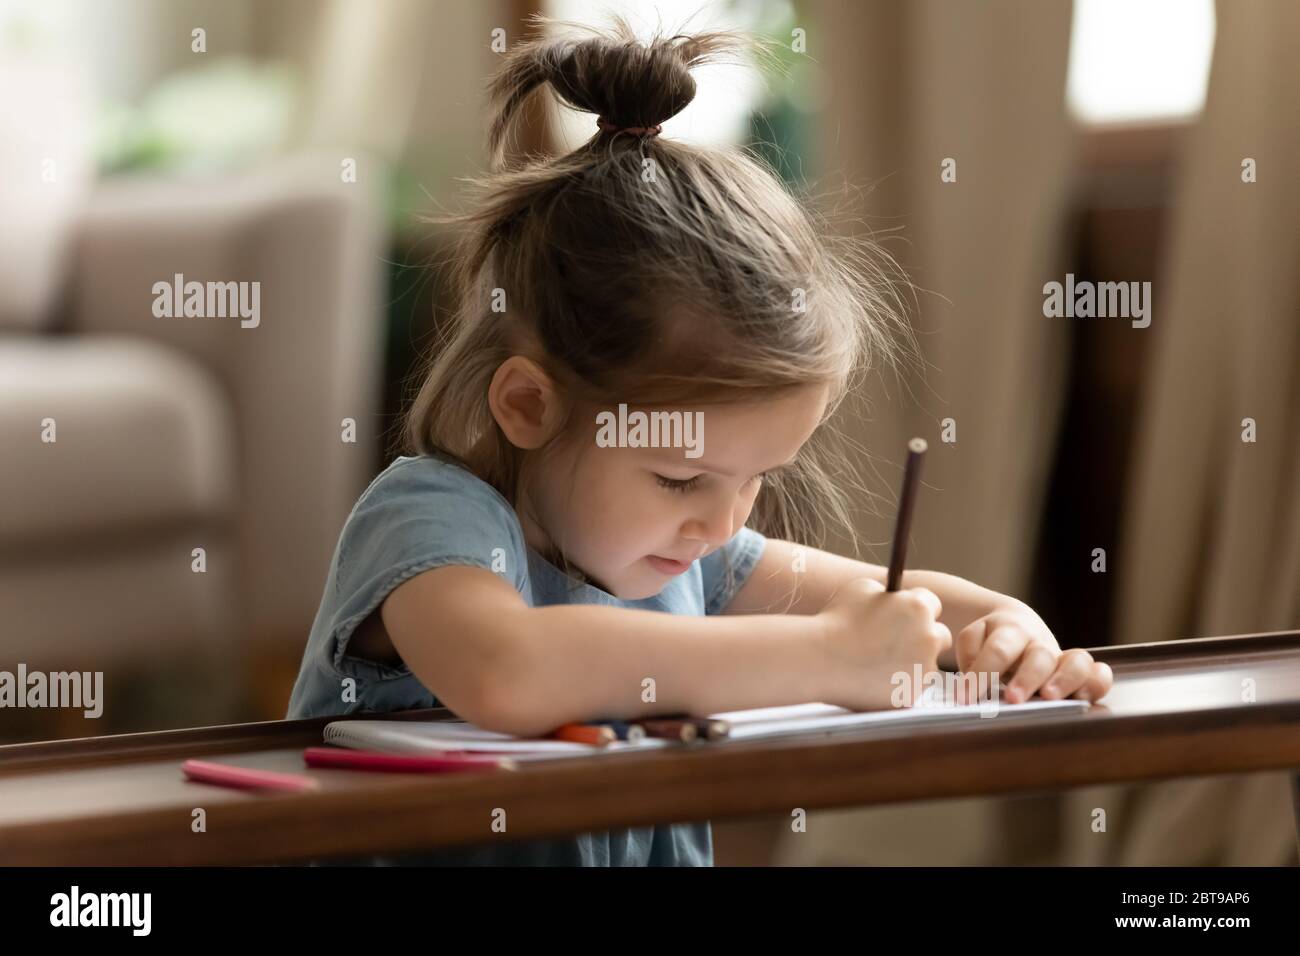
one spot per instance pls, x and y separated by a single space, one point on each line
906 504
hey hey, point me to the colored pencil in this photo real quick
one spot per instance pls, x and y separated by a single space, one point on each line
245 778
906 504
623 730
598 736
449 762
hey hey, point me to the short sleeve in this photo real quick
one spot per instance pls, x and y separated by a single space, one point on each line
738 556
420 514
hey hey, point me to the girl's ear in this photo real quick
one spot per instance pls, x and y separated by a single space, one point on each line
525 402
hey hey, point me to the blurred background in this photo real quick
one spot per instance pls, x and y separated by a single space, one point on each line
171 488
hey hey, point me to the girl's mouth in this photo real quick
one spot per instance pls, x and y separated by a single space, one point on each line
668 565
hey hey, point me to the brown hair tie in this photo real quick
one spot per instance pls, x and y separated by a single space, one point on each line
646 131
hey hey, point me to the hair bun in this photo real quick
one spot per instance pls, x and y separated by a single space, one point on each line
611 73
625 82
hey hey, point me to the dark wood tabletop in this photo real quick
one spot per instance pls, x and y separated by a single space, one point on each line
1178 708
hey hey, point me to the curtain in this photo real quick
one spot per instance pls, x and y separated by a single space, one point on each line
908 86
1211 535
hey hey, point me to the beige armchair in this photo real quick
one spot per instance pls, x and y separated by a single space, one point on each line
172 434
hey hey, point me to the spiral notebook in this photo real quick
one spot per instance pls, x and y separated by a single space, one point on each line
810 720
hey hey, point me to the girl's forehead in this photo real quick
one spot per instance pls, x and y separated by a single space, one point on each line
791 409
759 434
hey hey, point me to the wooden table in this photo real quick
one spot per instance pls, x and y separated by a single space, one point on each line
1176 710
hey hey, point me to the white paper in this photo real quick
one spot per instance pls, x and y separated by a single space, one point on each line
812 719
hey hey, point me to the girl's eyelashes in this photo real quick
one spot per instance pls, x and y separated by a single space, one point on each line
686 484
678 484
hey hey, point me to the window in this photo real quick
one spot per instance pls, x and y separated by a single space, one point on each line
1139 60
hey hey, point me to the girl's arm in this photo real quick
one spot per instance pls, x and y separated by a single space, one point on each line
790 579
992 632
469 637
497 662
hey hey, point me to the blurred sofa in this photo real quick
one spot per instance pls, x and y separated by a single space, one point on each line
173 434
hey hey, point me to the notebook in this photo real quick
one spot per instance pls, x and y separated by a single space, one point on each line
811 720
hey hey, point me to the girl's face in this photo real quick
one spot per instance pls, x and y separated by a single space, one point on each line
633 518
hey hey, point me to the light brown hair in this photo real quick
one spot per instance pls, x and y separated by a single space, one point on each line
653 272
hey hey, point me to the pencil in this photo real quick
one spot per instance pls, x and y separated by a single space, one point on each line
906 504
247 778
446 762
622 729
671 728
584 734
705 727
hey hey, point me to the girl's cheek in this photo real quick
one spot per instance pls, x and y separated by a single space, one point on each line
746 504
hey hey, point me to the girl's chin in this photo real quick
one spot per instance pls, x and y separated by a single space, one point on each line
639 581
646 586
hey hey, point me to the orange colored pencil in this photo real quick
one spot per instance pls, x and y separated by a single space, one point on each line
584 734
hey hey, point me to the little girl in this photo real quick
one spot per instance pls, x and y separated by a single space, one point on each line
525 574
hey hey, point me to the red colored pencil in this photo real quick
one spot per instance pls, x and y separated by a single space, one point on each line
449 762
245 778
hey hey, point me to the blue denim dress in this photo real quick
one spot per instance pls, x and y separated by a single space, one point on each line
425 512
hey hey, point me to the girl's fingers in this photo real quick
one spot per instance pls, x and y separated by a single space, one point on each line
1034 666
1003 646
927 598
1073 669
968 643
1037 664
1100 680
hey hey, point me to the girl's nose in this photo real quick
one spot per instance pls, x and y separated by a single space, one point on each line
714 528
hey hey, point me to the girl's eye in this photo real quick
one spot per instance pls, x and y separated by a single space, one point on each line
686 484
677 484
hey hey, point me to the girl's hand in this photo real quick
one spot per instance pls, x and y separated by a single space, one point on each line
869 636
1012 639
